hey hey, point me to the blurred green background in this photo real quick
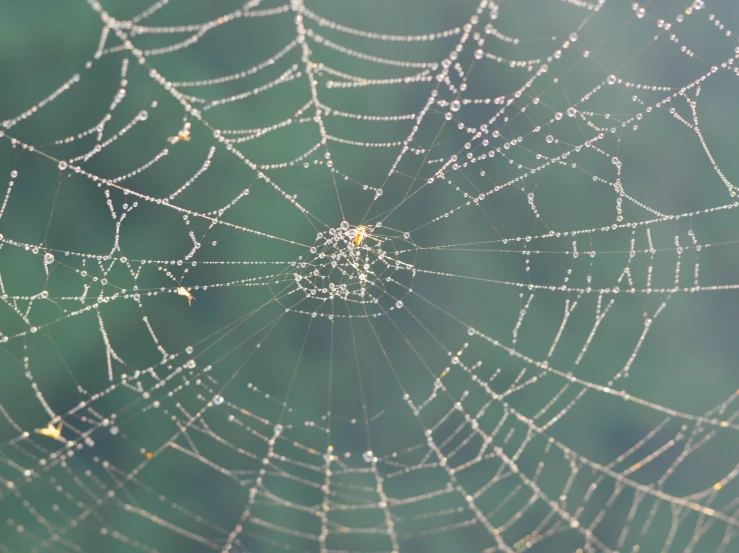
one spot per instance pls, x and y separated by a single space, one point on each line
163 465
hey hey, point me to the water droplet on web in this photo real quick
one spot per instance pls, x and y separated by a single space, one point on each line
344 225
573 37
399 304
217 400
406 235
62 165
549 138
48 258
278 429
455 105
368 456
611 79
471 331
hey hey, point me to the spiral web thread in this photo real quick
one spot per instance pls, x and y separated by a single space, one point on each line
466 334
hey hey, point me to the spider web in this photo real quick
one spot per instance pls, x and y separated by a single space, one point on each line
382 276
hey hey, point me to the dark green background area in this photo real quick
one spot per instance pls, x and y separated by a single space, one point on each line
368 378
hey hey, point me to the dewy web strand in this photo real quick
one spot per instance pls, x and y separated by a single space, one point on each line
294 276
